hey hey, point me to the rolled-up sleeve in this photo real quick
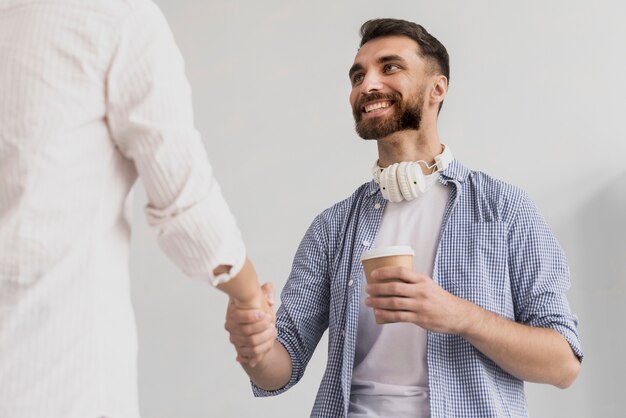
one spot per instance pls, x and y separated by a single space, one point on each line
540 276
150 116
305 302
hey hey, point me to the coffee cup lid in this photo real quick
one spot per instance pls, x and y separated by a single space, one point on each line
387 251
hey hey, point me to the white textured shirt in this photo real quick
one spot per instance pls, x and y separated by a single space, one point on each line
92 94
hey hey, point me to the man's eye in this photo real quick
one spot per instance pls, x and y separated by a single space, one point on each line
390 67
357 78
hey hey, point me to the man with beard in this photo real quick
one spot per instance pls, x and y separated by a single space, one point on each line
483 308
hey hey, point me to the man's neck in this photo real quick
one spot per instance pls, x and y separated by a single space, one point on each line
409 145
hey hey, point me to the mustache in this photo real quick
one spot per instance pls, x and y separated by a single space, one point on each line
395 97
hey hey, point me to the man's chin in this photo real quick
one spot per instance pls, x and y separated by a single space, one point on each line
372 132
367 135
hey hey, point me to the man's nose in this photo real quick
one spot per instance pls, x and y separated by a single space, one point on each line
371 82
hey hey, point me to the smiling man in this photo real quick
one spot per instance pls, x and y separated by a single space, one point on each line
482 310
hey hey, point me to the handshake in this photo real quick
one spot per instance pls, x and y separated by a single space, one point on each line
250 318
251 326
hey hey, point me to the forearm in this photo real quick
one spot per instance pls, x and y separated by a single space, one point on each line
244 288
273 371
540 355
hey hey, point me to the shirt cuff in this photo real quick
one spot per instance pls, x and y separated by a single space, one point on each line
234 270
200 238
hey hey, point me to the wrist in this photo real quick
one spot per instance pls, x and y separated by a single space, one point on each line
469 319
252 298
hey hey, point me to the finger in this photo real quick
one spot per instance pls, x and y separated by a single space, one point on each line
250 351
253 361
244 316
260 353
250 328
256 360
395 288
388 317
395 272
268 290
242 359
252 340
391 303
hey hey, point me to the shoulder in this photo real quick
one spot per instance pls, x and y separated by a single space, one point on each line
99 11
114 11
329 227
494 188
490 197
344 209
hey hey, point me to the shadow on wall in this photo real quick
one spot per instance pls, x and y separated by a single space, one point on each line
598 263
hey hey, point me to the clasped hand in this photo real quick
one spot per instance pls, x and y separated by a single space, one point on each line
252 330
398 294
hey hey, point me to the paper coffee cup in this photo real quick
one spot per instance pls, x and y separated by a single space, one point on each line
399 255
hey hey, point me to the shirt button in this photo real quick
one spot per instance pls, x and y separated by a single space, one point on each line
377 206
366 243
351 282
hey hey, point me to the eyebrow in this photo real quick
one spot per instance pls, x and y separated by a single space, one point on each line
354 69
389 58
382 60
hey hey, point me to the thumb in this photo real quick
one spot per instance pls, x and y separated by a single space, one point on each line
268 290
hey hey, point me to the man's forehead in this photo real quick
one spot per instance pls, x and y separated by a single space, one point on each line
388 45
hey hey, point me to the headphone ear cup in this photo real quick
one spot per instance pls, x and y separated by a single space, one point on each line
390 183
416 180
403 181
383 182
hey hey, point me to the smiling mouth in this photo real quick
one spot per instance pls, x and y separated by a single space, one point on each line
373 107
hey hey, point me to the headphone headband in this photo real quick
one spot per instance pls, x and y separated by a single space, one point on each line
444 159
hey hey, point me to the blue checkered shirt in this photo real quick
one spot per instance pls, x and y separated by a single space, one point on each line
495 250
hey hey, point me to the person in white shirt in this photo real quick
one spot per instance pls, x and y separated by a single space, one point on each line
93 95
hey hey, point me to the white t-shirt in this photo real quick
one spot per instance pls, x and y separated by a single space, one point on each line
390 376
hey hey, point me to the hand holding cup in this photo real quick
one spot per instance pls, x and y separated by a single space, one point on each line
399 256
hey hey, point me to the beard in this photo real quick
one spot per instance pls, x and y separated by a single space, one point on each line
406 115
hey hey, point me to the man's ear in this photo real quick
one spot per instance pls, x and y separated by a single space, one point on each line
439 90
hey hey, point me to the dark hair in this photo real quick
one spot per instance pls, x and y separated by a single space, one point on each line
429 46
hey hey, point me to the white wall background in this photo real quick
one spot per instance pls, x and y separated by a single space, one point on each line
536 98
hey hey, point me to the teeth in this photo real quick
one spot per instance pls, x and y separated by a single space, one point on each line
376 106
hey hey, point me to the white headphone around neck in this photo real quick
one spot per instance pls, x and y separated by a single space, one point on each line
405 180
